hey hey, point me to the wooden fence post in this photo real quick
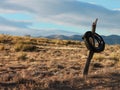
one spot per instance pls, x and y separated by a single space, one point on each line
91 53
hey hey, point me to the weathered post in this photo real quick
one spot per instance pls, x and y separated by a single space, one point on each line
94 26
89 39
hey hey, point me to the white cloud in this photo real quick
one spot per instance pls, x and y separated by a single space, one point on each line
64 12
116 9
14 30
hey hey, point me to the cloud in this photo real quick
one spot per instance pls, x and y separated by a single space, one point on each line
62 12
11 6
14 30
20 24
78 13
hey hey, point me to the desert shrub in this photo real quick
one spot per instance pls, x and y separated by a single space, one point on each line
72 42
2 47
17 47
66 42
32 59
22 56
25 47
5 39
43 40
33 41
99 57
114 56
97 65
29 48
25 41
59 42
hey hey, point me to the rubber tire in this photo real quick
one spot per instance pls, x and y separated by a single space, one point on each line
90 46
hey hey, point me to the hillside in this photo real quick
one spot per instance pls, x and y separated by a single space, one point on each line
112 39
28 63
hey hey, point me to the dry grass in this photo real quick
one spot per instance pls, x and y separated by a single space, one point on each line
28 63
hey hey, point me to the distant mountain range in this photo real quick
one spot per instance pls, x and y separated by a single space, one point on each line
112 39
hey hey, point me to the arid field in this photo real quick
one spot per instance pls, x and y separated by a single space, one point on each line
28 63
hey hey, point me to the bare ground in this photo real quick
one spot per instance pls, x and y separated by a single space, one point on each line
59 67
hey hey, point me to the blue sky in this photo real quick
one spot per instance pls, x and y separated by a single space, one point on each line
67 17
